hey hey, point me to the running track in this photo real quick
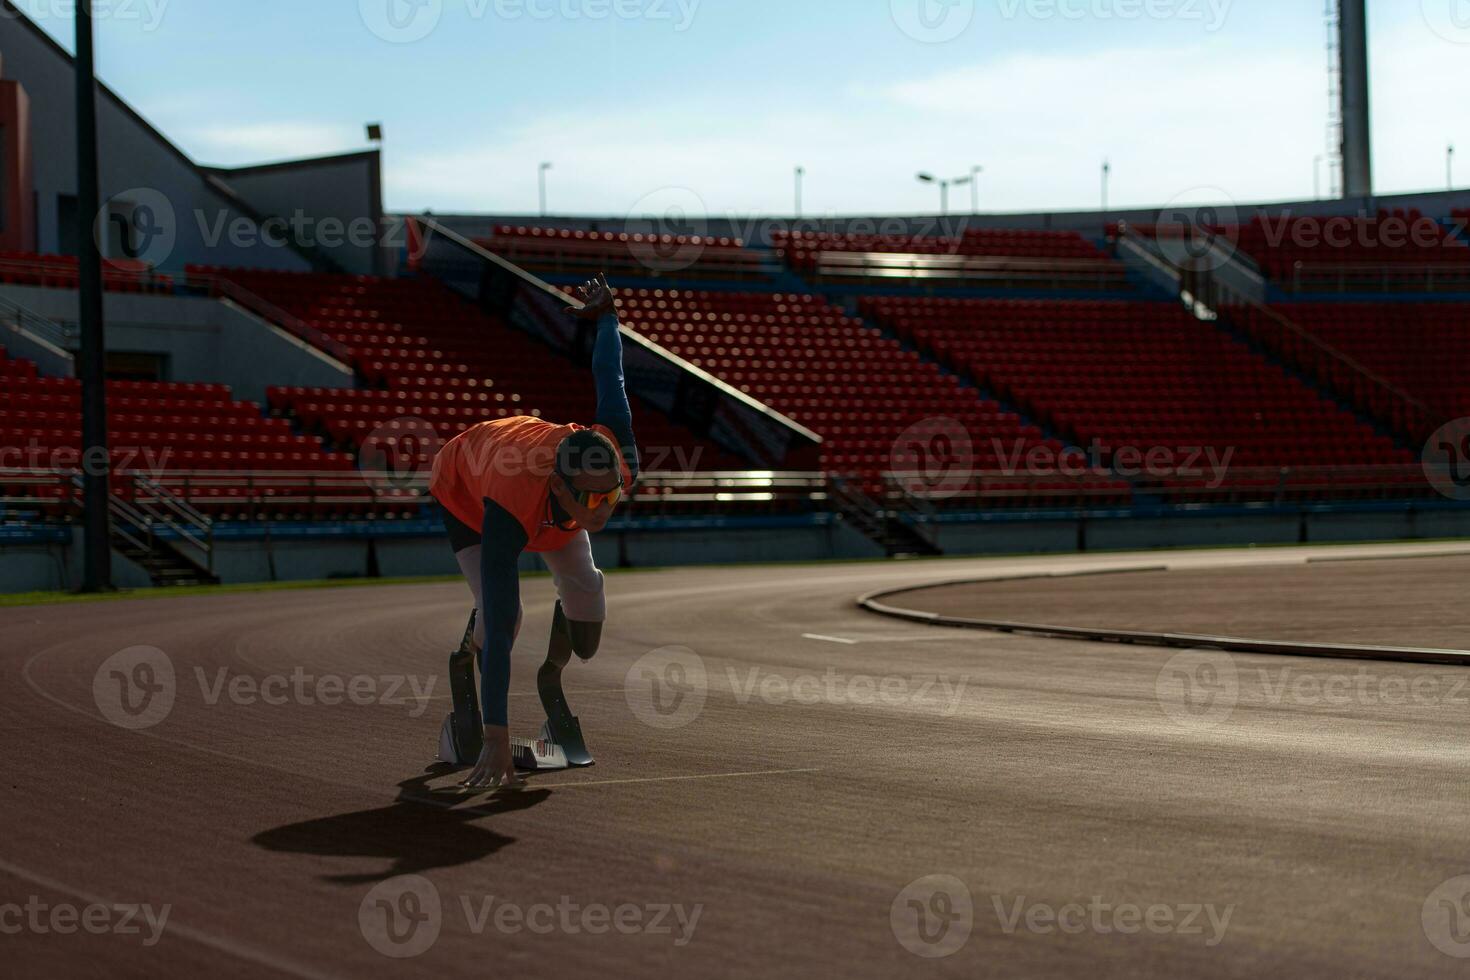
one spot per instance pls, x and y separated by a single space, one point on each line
1041 776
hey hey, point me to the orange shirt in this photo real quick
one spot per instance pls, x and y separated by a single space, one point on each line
509 461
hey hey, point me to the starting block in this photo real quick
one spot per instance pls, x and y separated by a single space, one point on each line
461 738
539 754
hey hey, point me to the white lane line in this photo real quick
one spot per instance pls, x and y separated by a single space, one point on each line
930 638
173 927
927 638
670 779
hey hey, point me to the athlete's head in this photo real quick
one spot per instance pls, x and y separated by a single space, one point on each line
589 467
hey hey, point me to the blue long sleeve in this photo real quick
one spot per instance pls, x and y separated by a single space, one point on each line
613 410
503 540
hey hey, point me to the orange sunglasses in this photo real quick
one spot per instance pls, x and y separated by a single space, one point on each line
594 501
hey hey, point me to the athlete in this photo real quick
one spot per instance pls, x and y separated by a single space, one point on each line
526 484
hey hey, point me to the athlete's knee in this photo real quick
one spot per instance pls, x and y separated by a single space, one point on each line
584 607
586 638
582 587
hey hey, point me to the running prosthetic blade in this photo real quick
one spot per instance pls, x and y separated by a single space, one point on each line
561 725
462 737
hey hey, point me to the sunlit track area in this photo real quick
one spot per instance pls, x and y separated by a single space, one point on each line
772 761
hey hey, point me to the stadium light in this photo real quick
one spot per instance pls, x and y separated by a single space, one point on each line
928 178
1107 172
800 173
541 180
973 179
375 132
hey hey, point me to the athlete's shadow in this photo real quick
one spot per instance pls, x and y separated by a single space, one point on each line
422 830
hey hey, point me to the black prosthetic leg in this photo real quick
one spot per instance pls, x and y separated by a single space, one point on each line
562 727
462 737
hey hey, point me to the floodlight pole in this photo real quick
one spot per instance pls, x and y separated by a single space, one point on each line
91 367
1357 131
974 180
800 173
541 181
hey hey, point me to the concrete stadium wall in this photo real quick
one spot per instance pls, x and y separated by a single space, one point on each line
341 196
58 568
37 568
206 341
138 165
27 568
1130 533
293 561
32 568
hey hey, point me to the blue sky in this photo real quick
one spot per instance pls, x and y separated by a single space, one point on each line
714 102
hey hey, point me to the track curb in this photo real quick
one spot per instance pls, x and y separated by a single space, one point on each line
873 603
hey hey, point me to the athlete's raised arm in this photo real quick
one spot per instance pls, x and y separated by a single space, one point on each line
613 410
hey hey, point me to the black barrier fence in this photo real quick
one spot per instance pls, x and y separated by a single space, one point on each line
695 398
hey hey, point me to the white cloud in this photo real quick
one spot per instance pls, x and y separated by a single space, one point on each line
1219 114
1039 124
1168 120
232 144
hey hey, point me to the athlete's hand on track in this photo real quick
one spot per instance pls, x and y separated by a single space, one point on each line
496 769
596 297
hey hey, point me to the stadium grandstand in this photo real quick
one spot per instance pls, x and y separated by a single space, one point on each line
837 388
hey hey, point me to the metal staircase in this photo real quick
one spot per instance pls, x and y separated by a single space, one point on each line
161 533
902 525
